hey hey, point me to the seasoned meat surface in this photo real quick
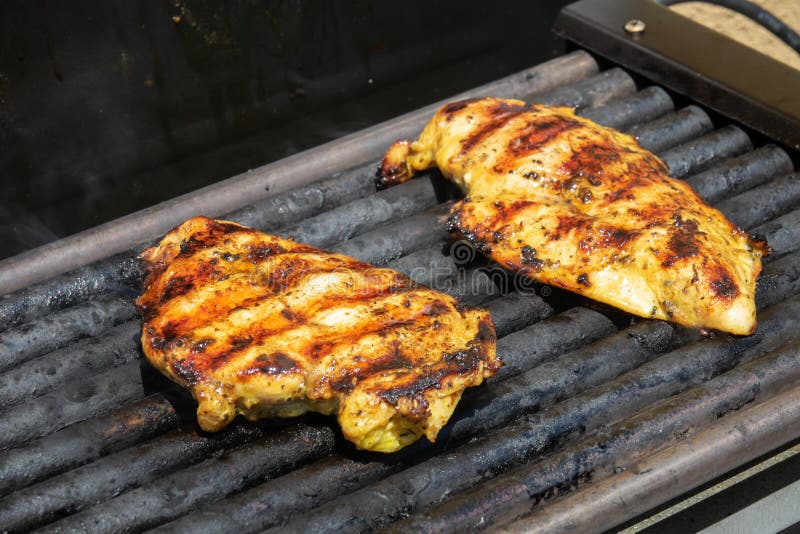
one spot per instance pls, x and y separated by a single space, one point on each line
585 208
257 325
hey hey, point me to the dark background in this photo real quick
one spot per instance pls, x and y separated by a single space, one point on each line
110 107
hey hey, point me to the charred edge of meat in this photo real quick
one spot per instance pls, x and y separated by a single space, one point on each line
393 168
759 243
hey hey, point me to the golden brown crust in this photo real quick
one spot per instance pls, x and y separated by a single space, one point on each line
263 326
585 208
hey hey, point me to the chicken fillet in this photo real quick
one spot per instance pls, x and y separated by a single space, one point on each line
257 325
585 208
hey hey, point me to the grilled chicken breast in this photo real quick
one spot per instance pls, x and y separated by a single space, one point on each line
265 327
585 208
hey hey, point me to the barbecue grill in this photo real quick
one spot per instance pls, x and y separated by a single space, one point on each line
596 416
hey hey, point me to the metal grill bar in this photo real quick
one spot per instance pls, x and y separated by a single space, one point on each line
155 503
86 441
734 441
355 217
74 401
669 420
673 129
763 203
409 235
784 234
607 375
115 347
270 504
307 201
740 174
646 105
56 330
590 92
699 154
136 465
93 280
464 467
779 279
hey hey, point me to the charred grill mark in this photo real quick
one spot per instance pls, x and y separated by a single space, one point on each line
437 307
615 237
452 108
683 242
581 224
722 285
394 360
186 370
242 342
181 284
173 329
466 361
418 385
481 236
259 253
211 234
199 347
290 315
591 161
500 114
607 237
536 133
275 364
175 287
462 362
528 256
255 335
486 331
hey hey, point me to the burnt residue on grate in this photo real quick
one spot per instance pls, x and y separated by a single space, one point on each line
92 438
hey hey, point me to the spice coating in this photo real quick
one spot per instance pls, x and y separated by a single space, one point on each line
602 214
257 325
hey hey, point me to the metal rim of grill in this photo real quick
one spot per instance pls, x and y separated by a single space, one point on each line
92 438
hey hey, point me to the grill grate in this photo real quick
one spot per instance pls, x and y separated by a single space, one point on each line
92 438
